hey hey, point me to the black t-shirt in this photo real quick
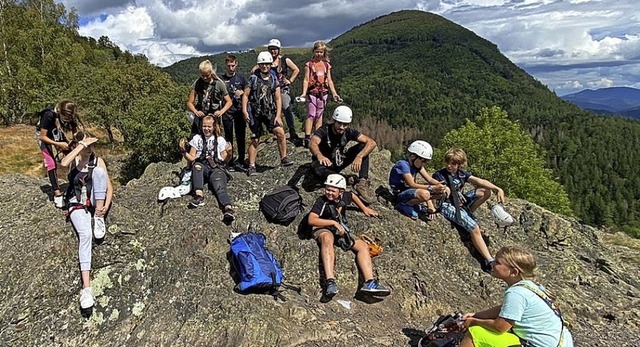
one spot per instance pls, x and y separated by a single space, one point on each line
48 121
329 140
235 82
322 206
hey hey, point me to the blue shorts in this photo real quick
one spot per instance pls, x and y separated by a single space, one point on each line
466 221
406 195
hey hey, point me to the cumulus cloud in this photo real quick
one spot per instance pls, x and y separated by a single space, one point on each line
551 39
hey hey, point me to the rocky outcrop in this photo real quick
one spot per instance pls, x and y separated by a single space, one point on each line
161 276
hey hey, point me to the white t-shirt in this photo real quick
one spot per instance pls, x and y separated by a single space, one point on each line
197 143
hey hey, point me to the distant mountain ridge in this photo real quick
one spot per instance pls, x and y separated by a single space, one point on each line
617 100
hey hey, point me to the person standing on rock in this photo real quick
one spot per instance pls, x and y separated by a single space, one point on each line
330 156
233 120
316 86
88 196
527 316
50 133
286 71
263 94
208 96
328 221
410 195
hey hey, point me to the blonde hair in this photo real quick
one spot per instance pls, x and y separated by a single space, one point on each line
321 45
206 66
216 127
456 156
519 259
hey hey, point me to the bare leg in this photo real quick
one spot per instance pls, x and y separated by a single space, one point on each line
482 195
327 253
467 341
363 259
253 151
282 142
478 243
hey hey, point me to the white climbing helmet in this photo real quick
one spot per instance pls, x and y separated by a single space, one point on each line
168 193
343 114
265 58
421 148
336 180
274 43
502 217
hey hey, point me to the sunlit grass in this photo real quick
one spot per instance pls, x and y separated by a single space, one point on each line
19 152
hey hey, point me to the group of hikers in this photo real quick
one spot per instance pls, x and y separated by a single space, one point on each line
527 313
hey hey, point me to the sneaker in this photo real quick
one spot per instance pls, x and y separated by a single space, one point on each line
305 142
286 161
363 189
331 288
86 298
197 201
420 208
487 265
373 287
58 201
228 217
251 171
99 229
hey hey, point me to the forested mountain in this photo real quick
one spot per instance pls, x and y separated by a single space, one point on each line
415 70
617 100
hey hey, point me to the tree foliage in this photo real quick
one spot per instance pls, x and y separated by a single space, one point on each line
500 151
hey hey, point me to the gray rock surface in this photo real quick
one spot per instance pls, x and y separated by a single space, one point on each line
161 276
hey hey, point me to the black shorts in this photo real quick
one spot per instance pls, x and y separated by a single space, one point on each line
257 130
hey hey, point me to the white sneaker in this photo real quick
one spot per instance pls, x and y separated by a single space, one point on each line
99 228
58 201
86 298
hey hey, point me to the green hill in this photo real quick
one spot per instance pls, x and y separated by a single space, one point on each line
416 70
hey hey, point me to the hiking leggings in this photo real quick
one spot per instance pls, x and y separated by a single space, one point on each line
81 218
288 111
324 171
236 120
50 164
217 179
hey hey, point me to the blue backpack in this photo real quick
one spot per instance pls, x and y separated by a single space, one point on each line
256 269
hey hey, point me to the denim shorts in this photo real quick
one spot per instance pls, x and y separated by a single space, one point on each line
406 195
466 221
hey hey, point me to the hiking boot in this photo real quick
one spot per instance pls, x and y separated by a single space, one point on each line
99 229
487 265
251 171
373 287
58 201
363 189
228 217
331 288
286 161
197 201
86 298
305 142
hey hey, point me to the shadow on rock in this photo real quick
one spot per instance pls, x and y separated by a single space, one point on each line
414 336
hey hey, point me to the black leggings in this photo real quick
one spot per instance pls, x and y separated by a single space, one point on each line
231 121
350 155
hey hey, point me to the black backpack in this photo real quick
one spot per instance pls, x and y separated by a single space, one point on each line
282 205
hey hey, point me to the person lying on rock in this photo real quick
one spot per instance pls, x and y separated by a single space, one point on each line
328 221
527 315
88 197
411 195
209 153
460 206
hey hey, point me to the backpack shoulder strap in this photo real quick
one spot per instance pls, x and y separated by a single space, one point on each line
93 162
547 300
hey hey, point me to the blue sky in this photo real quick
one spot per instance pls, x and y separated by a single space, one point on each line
568 45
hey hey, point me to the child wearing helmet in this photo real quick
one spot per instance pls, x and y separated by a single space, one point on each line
315 88
286 71
330 156
328 220
264 94
411 195
527 313
460 206
208 96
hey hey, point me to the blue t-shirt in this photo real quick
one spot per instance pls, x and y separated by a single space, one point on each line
458 179
533 319
396 176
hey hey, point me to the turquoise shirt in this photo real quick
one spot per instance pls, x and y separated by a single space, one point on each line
533 319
